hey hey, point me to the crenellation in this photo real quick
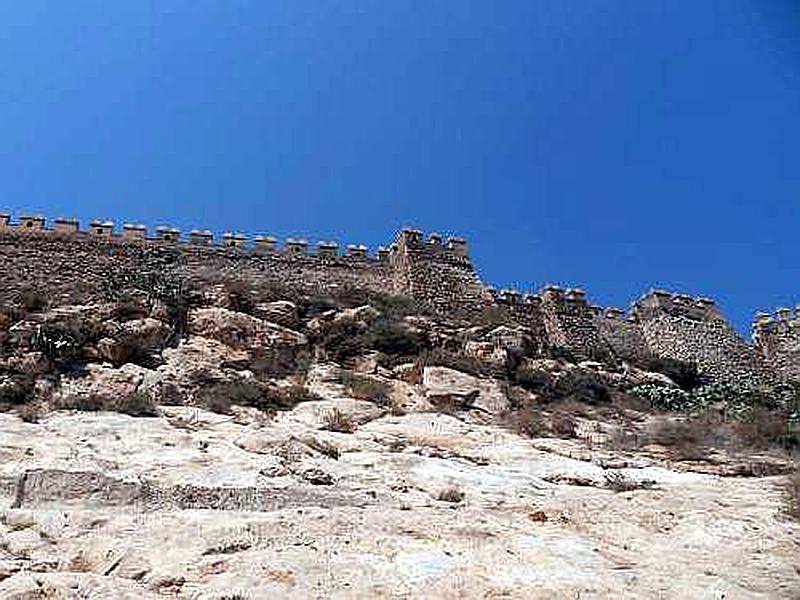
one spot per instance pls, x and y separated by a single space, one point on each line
134 232
295 247
66 226
167 234
357 251
234 240
457 247
31 222
327 249
265 244
199 237
98 228
509 296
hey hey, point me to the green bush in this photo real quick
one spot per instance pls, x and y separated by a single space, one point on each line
574 384
56 343
344 340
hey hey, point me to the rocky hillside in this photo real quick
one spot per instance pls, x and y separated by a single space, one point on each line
217 440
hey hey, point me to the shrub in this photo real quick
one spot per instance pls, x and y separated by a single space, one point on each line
563 425
762 428
240 297
137 404
691 438
344 340
32 299
32 412
16 390
664 397
129 308
453 495
390 336
285 398
574 384
581 386
526 422
618 482
561 353
336 420
219 397
362 387
55 342
534 380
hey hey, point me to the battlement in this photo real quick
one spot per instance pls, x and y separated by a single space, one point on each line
409 239
782 318
106 230
661 302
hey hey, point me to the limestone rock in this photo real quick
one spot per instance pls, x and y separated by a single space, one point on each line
280 312
447 387
241 331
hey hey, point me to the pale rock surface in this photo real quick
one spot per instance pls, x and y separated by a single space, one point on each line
194 504
445 386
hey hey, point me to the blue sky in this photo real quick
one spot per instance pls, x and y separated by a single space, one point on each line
615 145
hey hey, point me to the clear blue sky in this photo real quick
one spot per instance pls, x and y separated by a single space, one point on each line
616 145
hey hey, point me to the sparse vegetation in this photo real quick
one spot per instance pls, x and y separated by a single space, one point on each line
451 494
575 384
619 482
136 404
336 420
220 397
32 299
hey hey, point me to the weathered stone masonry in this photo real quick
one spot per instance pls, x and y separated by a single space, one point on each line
71 263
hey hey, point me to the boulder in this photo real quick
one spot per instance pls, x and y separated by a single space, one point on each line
131 339
241 331
445 387
281 312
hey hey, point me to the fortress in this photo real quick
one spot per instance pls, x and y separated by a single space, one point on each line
71 263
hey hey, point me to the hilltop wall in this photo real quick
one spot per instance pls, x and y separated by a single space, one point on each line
72 266
692 329
777 341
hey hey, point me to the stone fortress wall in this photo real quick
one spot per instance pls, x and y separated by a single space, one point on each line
777 340
438 273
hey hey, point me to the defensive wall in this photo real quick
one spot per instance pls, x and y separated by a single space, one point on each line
73 264
777 340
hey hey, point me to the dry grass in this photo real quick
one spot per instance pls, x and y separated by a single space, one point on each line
619 482
336 420
453 495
